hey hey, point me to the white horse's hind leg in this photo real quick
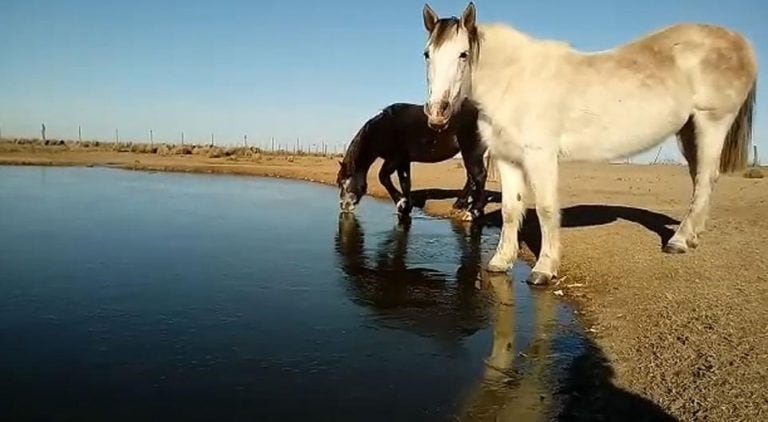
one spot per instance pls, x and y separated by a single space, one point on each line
710 137
541 171
686 137
512 209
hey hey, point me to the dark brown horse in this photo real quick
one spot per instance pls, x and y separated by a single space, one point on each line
399 135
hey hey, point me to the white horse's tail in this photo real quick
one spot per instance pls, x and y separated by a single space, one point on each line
735 152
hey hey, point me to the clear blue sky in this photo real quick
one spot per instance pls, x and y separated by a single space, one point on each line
288 69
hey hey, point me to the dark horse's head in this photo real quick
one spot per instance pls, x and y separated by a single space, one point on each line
352 186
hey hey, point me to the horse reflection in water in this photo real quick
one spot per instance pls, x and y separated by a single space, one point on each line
522 367
518 381
417 299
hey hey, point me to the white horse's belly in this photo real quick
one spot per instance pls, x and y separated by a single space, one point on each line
621 128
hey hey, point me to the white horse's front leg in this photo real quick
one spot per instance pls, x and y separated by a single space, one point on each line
541 171
512 189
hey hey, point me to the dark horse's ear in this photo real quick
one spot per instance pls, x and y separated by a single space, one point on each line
468 18
430 18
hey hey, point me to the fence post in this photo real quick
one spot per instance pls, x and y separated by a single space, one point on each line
42 131
151 139
79 134
182 137
117 136
755 160
658 153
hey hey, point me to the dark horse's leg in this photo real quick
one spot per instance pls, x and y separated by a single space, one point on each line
404 175
385 178
472 154
462 201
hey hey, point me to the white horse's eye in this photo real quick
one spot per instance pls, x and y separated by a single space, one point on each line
463 55
426 55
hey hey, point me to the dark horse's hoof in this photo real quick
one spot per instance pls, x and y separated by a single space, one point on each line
404 207
537 278
461 204
471 215
403 221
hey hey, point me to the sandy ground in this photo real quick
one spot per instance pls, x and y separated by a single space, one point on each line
673 336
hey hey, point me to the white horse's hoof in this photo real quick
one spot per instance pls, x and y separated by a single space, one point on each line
675 248
538 278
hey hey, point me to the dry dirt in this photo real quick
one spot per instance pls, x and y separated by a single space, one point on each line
686 332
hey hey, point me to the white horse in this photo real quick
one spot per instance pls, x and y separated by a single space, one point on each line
542 102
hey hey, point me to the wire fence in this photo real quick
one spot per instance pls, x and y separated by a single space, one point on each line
270 145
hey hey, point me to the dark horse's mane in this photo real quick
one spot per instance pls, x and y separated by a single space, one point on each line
353 150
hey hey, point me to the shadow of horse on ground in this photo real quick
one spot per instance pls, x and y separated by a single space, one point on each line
559 374
589 394
585 215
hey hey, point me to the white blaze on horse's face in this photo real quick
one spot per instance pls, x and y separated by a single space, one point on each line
448 56
447 70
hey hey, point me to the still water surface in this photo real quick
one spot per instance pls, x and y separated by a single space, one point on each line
153 296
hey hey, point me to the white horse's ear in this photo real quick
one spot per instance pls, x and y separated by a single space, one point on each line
468 18
430 18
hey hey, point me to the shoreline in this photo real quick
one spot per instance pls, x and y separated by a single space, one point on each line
684 333
279 166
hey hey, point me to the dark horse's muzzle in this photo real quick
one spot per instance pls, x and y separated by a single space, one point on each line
348 202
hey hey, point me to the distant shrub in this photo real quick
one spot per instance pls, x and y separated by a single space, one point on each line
122 147
181 150
215 152
164 150
144 149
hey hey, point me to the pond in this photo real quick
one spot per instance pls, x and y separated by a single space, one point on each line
156 296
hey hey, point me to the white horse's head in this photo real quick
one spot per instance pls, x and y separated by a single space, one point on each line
451 50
